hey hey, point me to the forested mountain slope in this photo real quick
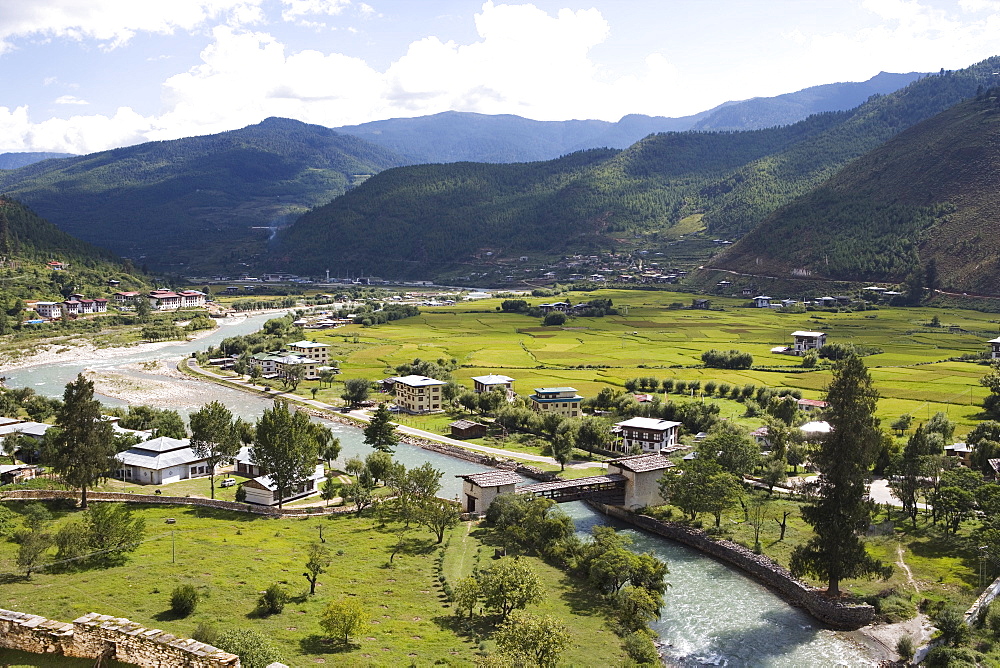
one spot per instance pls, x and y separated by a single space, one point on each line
17 160
425 220
28 242
193 203
926 199
461 136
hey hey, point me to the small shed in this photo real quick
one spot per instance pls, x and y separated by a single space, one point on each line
701 304
479 489
467 429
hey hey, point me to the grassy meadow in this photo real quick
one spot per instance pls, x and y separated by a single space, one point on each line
232 557
913 373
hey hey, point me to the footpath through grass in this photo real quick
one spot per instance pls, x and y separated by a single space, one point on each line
231 558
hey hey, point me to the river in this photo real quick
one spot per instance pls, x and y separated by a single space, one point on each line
713 614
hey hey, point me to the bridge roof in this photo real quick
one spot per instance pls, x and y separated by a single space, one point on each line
492 478
569 484
643 463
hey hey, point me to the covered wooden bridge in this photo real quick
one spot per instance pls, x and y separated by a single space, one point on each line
608 489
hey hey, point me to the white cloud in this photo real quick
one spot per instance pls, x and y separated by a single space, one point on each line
70 99
78 134
115 22
294 9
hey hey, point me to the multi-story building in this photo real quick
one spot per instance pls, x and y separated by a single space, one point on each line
560 400
805 341
315 351
491 382
418 394
640 434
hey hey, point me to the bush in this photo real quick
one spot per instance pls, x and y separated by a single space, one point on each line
554 318
273 600
951 626
640 648
183 600
904 648
241 494
207 633
252 647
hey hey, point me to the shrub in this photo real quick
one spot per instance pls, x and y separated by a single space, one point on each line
207 633
183 600
554 318
724 389
710 388
904 648
668 384
273 600
640 648
251 646
241 494
951 626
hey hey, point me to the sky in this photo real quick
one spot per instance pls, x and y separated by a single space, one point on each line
80 76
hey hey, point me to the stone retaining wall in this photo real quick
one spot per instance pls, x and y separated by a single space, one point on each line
269 511
836 615
95 636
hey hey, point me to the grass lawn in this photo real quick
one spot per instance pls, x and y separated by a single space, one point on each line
231 557
913 373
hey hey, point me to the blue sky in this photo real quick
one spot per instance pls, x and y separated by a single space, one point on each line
87 75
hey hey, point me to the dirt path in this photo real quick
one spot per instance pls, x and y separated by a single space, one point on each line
902 564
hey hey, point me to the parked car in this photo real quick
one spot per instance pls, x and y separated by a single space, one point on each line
228 482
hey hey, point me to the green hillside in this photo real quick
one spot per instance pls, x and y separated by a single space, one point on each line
28 243
927 195
428 221
193 203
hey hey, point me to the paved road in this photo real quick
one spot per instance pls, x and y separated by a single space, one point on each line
412 431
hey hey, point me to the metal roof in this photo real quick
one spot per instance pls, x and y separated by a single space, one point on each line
418 381
158 461
811 335
648 423
162 444
493 379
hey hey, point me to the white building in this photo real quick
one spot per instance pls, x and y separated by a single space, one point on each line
994 346
479 489
491 382
641 434
311 349
264 492
561 400
161 461
642 473
805 341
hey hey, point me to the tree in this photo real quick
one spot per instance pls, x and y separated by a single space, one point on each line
273 600
343 618
84 447
466 595
437 515
563 443
213 437
554 319
183 600
730 445
756 517
379 464
285 446
318 559
508 585
361 492
356 391
900 425
330 448
143 309
113 530
531 640
593 434
292 375
380 432
702 487
31 551
635 607
253 648
330 490
255 373
839 510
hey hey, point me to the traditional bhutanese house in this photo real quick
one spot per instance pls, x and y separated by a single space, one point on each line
760 436
994 346
805 341
642 474
262 490
161 461
826 302
164 300
56 266
479 489
86 305
645 435
72 306
701 304
491 382
762 301
962 451
126 297
467 429
560 400
418 394
286 362
812 405
48 310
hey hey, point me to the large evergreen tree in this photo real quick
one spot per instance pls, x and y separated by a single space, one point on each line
846 455
214 437
285 445
380 433
84 447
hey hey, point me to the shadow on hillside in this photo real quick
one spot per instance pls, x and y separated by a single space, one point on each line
317 644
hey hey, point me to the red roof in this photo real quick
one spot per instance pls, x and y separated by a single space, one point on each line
815 403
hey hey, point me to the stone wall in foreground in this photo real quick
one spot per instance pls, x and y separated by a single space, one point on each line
95 636
835 614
